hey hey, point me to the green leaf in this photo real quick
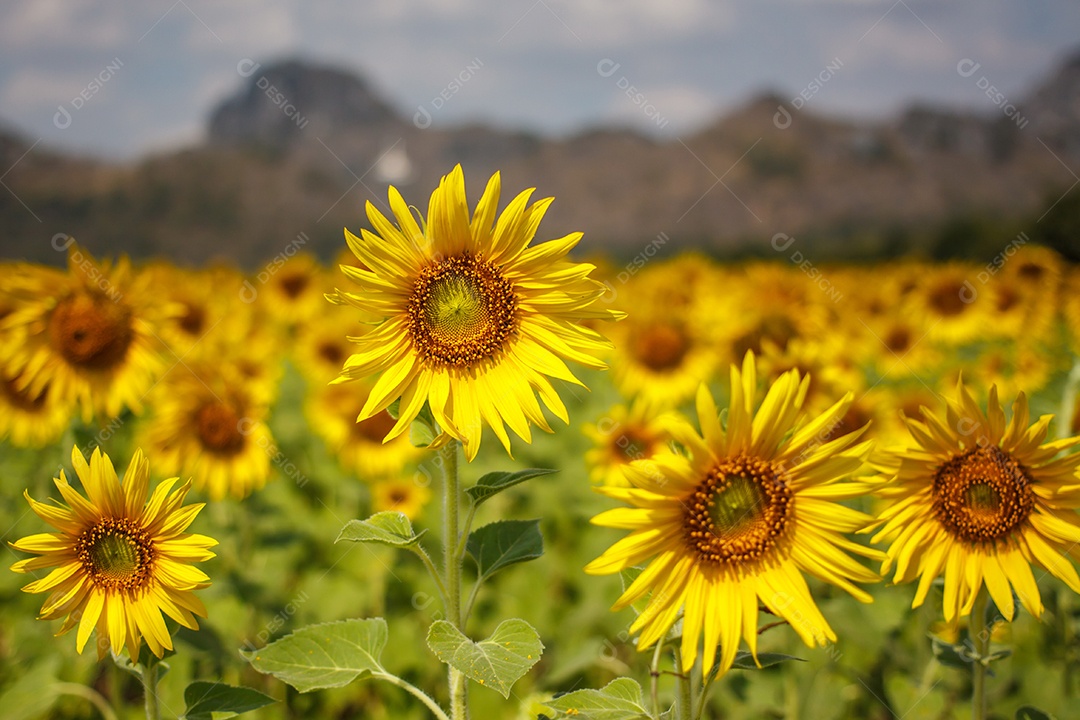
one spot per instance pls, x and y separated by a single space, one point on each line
745 661
385 528
494 483
421 434
323 656
1027 712
949 655
504 543
618 700
203 699
497 662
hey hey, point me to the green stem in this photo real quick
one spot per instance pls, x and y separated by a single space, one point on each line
1068 401
703 701
452 567
432 571
684 698
149 678
413 690
979 633
87 693
467 611
654 678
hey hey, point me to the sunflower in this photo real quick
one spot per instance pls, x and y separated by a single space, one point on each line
400 496
978 500
737 522
359 446
294 290
91 337
321 349
202 307
209 424
661 358
119 561
622 435
31 420
474 321
953 309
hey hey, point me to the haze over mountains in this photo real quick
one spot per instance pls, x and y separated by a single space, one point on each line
300 147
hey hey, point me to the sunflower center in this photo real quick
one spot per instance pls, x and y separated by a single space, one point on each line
218 426
293 285
898 340
91 331
332 353
1031 271
947 298
117 554
375 428
462 311
738 512
1007 299
774 328
982 495
193 320
632 445
661 347
22 399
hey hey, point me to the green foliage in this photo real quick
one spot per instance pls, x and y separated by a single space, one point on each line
323 656
494 483
504 543
618 700
497 662
384 528
203 699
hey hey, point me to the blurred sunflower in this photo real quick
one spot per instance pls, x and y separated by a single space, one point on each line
119 561
91 337
400 496
359 445
737 522
321 348
660 358
31 420
475 322
294 292
978 501
624 434
952 309
208 424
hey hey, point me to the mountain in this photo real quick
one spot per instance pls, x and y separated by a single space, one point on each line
300 147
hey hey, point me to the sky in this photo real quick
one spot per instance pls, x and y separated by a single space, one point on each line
119 79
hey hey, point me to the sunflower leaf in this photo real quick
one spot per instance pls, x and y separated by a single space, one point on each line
421 434
497 662
203 699
1027 712
745 661
504 543
957 656
620 699
495 482
385 528
323 656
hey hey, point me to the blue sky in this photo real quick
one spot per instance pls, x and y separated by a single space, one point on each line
142 77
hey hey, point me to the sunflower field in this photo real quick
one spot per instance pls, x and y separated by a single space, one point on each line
456 473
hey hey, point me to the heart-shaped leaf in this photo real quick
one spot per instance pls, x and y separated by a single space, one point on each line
385 528
203 699
497 662
323 656
500 544
495 482
618 700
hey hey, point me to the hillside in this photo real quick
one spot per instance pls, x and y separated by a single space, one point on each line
300 147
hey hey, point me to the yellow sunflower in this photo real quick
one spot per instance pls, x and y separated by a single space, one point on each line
31 420
978 500
474 321
119 561
622 435
332 413
91 338
210 425
294 290
952 306
661 358
400 496
740 520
